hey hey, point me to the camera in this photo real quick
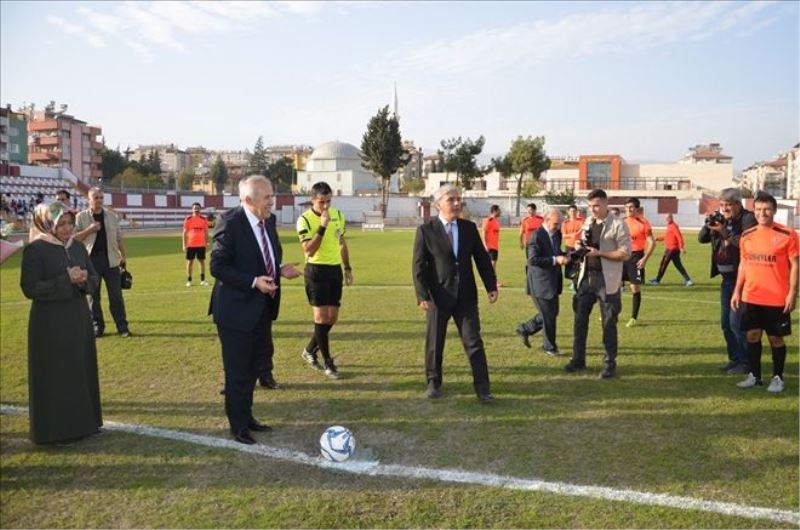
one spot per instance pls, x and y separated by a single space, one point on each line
585 242
715 218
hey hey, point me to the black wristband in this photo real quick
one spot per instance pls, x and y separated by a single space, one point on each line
321 230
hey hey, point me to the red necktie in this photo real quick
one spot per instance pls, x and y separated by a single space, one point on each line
270 267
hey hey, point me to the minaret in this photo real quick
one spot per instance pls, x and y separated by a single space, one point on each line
396 110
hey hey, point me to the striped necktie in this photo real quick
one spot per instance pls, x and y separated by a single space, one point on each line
270 267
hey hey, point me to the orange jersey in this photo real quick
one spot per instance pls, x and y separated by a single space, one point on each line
570 230
765 255
195 228
640 229
529 225
491 233
673 239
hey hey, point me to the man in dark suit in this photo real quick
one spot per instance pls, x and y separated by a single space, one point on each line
545 281
444 250
246 263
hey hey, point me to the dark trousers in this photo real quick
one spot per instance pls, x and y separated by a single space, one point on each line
731 322
673 255
111 277
593 289
545 320
469 329
243 354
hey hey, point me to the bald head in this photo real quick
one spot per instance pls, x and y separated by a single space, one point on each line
553 220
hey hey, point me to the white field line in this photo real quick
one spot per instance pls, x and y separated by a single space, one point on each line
376 469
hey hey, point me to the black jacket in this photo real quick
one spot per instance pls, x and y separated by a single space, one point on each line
439 276
544 277
236 260
731 232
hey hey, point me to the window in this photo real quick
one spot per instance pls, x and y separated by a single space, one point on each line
13 131
598 174
13 149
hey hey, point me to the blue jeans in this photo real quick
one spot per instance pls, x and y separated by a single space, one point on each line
730 321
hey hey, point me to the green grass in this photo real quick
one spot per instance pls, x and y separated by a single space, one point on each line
670 423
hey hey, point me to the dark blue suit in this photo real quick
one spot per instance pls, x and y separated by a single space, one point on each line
545 283
243 314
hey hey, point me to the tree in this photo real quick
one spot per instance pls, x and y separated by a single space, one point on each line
112 163
528 157
560 197
258 160
219 174
459 156
281 173
186 179
153 164
382 151
130 178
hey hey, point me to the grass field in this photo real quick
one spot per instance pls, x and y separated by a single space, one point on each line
670 423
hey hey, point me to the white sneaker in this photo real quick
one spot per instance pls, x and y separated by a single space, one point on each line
188 284
688 283
204 283
775 385
749 382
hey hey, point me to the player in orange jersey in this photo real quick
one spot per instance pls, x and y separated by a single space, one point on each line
195 240
642 246
491 236
766 289
528 226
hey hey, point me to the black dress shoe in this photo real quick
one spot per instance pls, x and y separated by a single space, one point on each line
523 337
269 382
608 373
244 437
433 391
256 426
573 367
485 397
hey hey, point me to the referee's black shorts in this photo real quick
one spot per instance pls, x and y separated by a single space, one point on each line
629 271
772 320
324 284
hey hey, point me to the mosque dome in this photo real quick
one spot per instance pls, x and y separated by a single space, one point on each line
335 151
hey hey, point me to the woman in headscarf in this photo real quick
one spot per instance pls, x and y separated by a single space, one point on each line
57 274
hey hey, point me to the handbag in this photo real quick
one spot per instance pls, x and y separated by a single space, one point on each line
125 279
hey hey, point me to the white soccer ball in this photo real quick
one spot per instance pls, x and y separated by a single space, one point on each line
337 444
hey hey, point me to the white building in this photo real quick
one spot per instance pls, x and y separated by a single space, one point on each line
339 164
770 177
793 172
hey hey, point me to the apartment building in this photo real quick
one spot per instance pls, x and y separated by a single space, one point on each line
58 139
13 136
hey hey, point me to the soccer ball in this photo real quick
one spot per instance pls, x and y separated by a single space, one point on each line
337 444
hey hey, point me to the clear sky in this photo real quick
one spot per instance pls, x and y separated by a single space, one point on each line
643 80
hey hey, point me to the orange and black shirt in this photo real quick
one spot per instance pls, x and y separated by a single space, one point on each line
765 256
640 229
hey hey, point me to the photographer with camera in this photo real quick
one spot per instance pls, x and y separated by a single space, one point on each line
723 229
607 246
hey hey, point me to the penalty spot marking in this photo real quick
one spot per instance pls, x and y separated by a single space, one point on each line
376 469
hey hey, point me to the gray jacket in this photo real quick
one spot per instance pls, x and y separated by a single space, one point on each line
614 236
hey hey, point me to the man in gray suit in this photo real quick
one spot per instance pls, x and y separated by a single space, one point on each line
545 281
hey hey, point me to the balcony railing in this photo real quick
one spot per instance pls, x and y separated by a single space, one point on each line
633 184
